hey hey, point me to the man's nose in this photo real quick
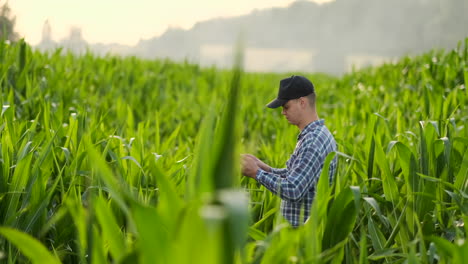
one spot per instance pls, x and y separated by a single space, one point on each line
283 112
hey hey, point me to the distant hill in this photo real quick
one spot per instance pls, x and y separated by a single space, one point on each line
310 37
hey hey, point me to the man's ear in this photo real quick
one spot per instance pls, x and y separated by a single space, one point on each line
303 101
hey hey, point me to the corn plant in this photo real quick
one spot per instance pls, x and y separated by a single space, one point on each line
123 160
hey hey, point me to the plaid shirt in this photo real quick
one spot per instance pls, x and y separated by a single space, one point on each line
296 183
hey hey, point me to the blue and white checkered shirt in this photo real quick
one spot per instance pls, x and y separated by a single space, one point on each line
295 184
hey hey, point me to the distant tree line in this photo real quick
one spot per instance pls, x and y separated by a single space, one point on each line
7 24
332 31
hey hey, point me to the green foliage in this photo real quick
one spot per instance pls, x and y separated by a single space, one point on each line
29 246
129 161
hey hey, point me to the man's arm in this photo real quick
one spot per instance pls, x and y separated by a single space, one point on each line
281 172
251 165
262 165
299 178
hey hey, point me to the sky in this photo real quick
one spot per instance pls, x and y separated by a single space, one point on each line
124 21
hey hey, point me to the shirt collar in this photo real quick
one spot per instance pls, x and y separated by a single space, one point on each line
310 127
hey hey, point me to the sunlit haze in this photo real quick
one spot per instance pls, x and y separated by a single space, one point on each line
124 21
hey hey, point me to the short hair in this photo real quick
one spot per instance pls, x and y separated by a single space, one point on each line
311 99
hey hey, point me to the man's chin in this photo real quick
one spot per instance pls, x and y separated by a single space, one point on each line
290 122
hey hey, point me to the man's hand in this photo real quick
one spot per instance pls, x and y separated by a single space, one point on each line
249 166
260 163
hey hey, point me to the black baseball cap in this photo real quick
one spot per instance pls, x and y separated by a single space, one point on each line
292 88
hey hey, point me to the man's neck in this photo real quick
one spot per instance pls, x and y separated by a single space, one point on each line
308 120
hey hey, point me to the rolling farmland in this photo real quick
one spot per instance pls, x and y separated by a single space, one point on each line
122 160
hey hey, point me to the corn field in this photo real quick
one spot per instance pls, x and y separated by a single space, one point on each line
123 160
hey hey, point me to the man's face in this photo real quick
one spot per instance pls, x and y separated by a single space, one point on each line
292 110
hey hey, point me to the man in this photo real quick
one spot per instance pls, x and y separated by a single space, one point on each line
295 184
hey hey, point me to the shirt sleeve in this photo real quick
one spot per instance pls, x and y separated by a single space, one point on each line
281 172
299 177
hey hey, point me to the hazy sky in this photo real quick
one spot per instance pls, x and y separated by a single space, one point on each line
124 21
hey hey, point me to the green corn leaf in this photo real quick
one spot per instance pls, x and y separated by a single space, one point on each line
341 219
388 180
377 239
29 246
111 232
225 154
363 248
153 237
22 55
461 179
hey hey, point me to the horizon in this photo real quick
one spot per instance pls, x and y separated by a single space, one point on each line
112 29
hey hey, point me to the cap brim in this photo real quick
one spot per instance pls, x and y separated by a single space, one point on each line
276 103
